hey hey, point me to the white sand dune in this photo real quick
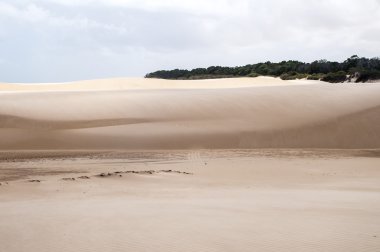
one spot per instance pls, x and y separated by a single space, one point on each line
142 83
211 200
157 114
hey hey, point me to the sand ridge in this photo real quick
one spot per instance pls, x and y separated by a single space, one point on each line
142 83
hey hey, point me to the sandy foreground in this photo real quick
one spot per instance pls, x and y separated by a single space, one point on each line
250 164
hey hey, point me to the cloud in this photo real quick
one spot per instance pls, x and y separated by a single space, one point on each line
61 40
196 7
30 13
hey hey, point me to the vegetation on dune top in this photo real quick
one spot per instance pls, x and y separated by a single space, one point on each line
353 69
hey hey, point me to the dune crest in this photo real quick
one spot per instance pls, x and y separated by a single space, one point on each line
143 83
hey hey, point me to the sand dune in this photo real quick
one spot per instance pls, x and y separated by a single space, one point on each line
159 114
102 194
142 83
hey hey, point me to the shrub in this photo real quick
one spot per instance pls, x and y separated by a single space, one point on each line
253 74
367 75
292 76
331 71
336 77
316 76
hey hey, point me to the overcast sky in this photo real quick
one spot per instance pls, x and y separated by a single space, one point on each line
63 40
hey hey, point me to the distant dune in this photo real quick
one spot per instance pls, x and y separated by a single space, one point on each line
144 83
161 114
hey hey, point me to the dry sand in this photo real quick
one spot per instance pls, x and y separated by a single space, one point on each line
241 113
217 193
233 200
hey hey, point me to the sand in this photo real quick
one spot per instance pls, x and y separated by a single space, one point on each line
241 113
143 83
248 164
231 200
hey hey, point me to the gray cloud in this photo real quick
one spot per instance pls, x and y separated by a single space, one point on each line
63 40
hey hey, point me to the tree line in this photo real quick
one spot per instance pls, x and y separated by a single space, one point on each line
353 69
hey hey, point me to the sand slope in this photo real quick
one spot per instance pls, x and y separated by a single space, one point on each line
157 114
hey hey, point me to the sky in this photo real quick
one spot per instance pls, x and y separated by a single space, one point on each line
66 40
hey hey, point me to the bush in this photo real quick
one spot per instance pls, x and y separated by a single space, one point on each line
366 75
253 74
207 76
315 76
331 71
336 77
292 76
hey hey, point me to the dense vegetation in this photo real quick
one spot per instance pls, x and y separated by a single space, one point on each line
354 69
